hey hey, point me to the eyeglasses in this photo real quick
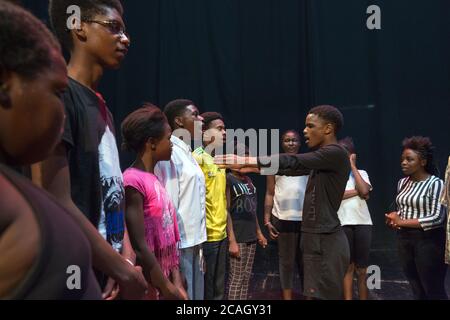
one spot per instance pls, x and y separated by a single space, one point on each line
113 26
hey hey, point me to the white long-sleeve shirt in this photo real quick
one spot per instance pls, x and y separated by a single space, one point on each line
185 183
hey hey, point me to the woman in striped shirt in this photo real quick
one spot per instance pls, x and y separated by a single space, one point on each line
419 220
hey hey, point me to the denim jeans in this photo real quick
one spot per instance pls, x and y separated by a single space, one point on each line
192 267
216 258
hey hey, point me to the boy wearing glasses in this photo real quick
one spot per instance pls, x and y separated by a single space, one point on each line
84 172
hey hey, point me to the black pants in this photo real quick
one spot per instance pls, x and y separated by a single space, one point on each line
326 258
215 253
421 254
289 253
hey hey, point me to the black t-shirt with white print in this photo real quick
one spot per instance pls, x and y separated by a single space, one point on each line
243 205
95 174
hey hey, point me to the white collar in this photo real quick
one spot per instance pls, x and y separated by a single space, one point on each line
180 143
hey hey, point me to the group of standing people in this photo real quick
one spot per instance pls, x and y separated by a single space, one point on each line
163 228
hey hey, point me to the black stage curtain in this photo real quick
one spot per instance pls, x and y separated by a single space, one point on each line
264 63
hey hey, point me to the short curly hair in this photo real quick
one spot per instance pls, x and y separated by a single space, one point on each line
140 125
57 11
176 108
209 117
26 45
330 114
424 148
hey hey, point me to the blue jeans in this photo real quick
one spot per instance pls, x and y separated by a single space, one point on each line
216 259
191 265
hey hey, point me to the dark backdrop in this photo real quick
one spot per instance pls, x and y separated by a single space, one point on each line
264 63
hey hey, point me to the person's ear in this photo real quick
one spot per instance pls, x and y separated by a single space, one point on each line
153 143
423 162
329 128
208 135
179 122
80 33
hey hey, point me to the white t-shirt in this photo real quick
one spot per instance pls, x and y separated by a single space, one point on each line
185 184
289 197
354 210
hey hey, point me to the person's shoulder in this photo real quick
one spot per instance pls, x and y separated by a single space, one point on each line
73 87
402 180
132 175
67 95
199 151
199 155
334 149
336 152
75 96
434 180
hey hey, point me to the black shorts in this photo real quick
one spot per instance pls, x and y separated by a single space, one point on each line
359 240
326 258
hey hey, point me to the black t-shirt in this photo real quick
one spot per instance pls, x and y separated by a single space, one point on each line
64 250
243 207
96 178
328 169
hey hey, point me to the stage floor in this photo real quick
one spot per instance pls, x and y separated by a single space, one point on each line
265 284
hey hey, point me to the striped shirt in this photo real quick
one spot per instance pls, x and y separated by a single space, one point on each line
420 200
